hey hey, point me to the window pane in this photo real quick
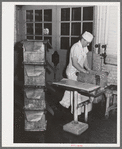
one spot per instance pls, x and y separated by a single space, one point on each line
49 26
48 15
64 28
88 27
38 15
74 40
76 14
29 37
29 15
88 13
38 38
65 14
38 29
64 42
76 29
30 28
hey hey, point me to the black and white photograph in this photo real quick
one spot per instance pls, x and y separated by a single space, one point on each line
61 74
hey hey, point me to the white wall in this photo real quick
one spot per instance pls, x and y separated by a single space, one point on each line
112 32
109 35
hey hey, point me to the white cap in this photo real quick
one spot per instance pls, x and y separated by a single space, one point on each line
87 36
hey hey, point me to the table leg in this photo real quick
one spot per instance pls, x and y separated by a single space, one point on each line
71 99
86 108
114 102
91 101
86 112
108 95
75 106
114 99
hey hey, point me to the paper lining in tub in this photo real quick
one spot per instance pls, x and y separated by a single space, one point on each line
33 93
36 71
34 116
34 52
33 46
28 46
34 57
39 46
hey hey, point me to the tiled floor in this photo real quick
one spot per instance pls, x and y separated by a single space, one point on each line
100 130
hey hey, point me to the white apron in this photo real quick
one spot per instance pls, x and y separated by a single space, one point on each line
80 52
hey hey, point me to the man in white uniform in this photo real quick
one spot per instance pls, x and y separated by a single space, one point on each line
77 63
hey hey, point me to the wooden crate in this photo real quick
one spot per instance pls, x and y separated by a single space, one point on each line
34 93
33 52
34 99
34 104
98 78
34 75
35 121
88 78
103 78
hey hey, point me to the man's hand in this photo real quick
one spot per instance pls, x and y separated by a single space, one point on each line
87 71
92 72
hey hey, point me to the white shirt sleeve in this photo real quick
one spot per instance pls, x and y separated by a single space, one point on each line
75 51
80 53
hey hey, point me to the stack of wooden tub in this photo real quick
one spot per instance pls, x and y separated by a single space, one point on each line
34 54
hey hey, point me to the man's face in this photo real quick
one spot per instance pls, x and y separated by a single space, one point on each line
85 43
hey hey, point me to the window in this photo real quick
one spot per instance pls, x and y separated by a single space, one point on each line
73 22
36 22
64 23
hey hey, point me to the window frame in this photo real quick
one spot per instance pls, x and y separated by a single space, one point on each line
70 21
25 8
56 22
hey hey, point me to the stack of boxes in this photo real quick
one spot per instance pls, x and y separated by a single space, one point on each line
34 56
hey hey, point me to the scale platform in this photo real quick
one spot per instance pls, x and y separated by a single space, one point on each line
76 128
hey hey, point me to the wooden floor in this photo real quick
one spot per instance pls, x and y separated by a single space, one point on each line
100 130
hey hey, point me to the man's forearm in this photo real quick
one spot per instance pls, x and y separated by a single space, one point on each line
86 65
79 68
